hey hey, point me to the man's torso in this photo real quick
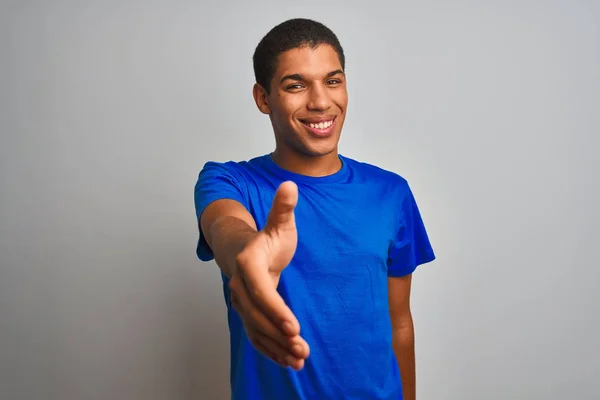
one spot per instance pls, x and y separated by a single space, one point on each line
336 285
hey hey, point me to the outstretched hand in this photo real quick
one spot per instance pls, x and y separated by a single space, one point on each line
270 324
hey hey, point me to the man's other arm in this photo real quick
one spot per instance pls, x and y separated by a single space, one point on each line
403 335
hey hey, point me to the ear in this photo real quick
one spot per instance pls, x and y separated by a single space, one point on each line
261 98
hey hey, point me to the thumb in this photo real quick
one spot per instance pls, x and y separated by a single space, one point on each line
281 215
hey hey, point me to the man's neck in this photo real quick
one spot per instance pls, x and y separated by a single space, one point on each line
315 166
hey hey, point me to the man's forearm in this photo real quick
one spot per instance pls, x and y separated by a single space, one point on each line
404 348
228 236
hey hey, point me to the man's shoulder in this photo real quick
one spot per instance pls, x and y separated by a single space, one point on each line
375 172
232 166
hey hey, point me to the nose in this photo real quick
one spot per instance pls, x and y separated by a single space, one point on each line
318 99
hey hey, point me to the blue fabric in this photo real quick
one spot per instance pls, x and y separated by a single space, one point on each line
356 228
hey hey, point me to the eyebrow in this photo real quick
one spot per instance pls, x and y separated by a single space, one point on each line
298 77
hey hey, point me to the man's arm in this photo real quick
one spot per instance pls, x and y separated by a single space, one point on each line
253 261
403 334
227 227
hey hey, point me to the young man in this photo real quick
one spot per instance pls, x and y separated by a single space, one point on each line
316 249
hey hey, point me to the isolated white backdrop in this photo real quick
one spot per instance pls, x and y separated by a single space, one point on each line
109 110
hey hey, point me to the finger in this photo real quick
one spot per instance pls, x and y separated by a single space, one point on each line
298 364
282 356
300 347
269 348
259 286
260 322
253 316
256 319
281 215
265 351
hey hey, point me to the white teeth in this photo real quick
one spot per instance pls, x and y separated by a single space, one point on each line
321 125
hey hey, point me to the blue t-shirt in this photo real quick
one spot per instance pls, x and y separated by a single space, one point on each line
356 228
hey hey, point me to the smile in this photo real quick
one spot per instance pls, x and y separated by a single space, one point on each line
319 128
320 125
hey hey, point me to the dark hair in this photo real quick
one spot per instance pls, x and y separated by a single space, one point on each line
291 34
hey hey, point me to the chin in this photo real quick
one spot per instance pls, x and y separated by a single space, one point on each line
319 151
311 147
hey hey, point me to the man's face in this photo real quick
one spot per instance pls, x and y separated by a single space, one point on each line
308 100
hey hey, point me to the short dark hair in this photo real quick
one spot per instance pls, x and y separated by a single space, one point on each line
290 34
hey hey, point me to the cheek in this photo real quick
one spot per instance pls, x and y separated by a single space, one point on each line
279 113
289 105
342 100
283 118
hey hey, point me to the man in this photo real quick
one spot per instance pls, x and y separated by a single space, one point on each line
316 249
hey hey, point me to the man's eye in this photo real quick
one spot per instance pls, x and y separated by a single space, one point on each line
297 86
333 82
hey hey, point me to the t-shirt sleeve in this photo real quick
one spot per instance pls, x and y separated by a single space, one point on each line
216 181
411 247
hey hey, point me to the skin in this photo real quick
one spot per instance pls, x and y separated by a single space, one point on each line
309 84
403 334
